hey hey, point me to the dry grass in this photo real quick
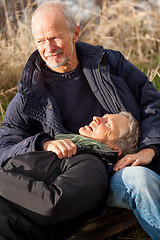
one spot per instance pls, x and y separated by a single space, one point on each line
16 44
127 26
122 25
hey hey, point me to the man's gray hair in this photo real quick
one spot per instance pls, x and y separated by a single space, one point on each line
63 7
128 141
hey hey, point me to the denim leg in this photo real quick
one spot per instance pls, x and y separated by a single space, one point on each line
138 188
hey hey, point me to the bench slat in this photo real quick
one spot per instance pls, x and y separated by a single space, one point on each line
114 221
100 228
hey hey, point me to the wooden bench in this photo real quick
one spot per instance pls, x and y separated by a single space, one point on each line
100 228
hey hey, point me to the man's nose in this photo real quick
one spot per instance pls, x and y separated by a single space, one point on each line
96 120
50 45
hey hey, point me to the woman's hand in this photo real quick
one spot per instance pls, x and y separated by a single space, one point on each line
141 158
63 148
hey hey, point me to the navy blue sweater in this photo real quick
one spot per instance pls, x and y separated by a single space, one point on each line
78 104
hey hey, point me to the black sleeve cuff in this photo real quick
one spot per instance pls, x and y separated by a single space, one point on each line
43 137
154 165
156 148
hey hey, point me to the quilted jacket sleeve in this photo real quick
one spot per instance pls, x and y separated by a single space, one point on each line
18 133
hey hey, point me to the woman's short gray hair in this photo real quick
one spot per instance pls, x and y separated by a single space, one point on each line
53 6
128 141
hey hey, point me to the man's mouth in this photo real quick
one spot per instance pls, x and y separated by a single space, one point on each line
53 54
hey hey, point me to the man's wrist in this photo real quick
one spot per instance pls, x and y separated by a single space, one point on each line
43 142
156 149
42 137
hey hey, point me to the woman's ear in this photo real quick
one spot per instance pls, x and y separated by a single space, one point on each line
117 149
119 152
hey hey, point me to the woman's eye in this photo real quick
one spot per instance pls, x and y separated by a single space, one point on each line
57 39
107 124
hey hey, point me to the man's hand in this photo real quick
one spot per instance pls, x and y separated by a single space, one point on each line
141 158
63 148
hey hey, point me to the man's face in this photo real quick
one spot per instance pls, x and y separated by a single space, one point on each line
106 129
54 41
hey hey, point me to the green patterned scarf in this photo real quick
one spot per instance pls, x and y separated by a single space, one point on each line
82 141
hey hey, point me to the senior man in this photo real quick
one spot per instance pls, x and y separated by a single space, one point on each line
64 84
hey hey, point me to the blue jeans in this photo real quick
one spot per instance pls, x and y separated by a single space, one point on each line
138 188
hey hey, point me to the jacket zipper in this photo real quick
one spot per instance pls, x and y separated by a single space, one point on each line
117 108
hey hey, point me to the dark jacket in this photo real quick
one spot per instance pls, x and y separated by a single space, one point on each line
33 114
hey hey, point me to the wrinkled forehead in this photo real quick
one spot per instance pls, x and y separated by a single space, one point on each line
47 17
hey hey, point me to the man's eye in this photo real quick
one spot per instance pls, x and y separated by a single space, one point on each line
40 41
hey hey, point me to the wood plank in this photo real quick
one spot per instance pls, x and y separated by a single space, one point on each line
114 221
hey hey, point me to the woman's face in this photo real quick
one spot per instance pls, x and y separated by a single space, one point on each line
106 129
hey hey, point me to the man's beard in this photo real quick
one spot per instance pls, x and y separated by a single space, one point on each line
56 65
63 62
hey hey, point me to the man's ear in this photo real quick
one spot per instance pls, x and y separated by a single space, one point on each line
76 34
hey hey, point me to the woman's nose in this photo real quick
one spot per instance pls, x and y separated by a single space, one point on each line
96 120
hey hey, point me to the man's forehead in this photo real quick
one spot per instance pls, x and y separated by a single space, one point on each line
49 16
49 27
